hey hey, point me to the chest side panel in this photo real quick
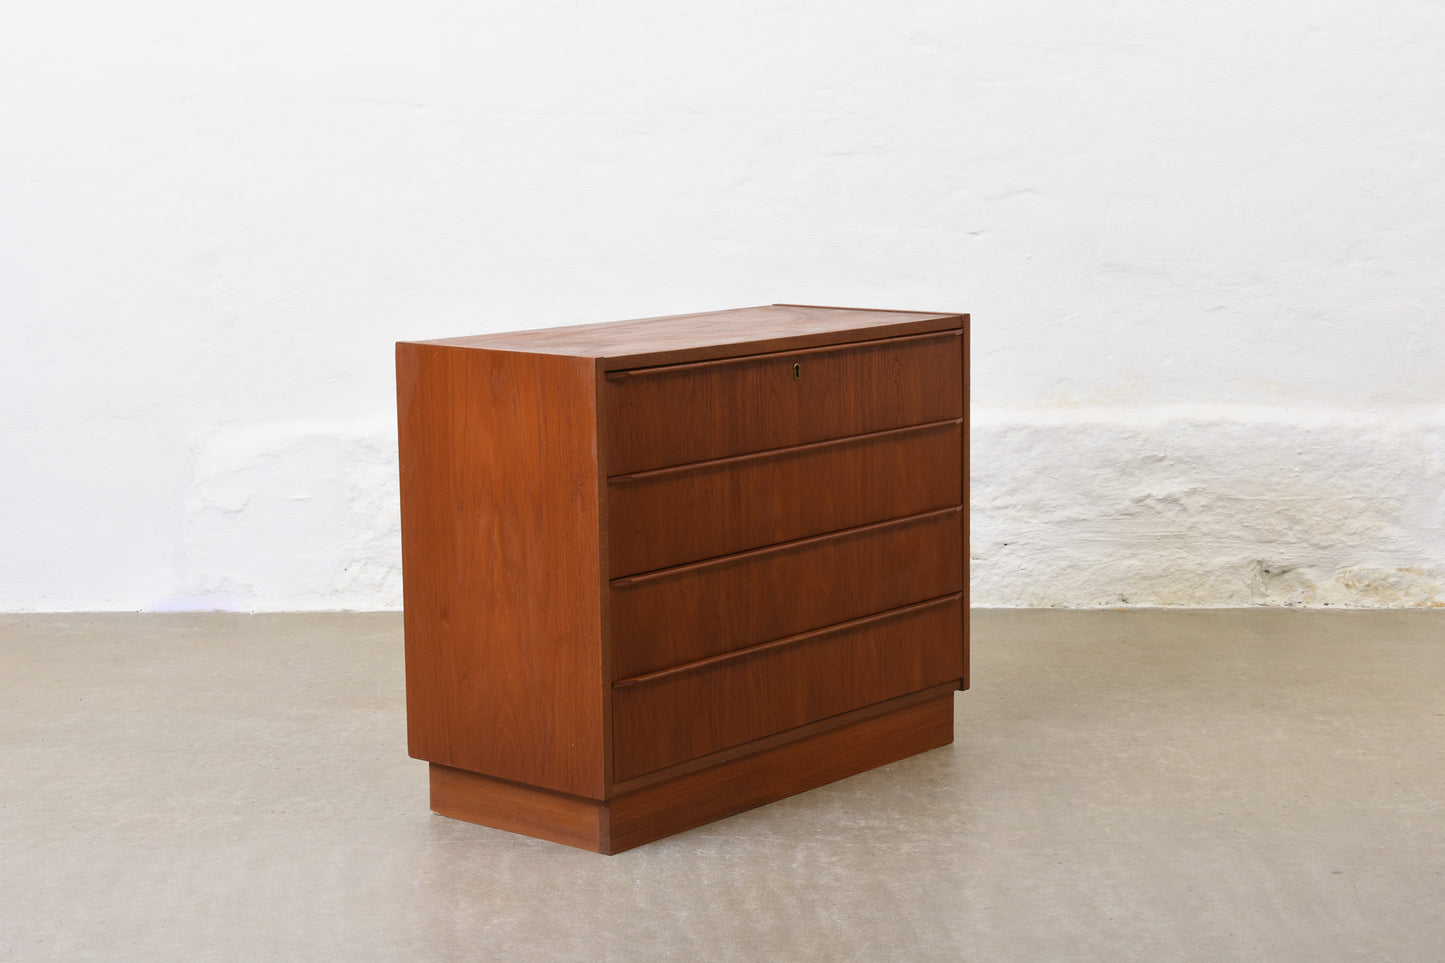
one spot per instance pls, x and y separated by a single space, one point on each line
501 564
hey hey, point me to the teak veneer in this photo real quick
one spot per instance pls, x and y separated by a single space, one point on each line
657 572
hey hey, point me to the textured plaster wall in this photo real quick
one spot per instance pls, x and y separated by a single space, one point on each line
1201 243
1209 506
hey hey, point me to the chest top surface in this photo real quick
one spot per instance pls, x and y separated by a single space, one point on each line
711 334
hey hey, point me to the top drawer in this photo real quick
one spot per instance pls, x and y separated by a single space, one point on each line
676 414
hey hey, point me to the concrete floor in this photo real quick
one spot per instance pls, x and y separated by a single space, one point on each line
1125 785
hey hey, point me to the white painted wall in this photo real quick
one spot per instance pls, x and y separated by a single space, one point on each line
1202 244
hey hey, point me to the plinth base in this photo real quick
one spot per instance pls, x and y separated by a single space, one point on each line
651 807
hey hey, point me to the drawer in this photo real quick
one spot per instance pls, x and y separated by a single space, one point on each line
677 515
674 716
683 614
676 414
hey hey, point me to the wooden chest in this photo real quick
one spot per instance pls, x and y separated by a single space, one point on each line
658 572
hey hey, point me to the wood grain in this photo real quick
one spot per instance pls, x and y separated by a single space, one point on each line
851 744
681 614
679 714
501 564
710 334
673 516
475 798
814 760
675 414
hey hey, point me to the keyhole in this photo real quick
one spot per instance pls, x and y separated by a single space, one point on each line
797 372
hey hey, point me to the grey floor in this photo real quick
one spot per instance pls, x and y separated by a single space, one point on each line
1142 785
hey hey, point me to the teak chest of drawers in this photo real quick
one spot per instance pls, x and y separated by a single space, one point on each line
658 572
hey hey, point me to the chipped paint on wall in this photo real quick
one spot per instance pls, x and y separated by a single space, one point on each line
1207 507
1077 507
293 516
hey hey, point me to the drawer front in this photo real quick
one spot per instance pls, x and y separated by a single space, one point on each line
669 517
677 414
682 614
675 716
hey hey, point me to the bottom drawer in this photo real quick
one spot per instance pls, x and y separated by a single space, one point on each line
670 717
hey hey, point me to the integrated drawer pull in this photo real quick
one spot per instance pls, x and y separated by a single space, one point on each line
680 615
672 516
672 415
673 716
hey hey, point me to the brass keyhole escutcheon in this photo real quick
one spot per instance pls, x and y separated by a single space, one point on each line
797 371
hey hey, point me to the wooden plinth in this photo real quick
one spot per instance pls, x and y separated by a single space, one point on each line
854 743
